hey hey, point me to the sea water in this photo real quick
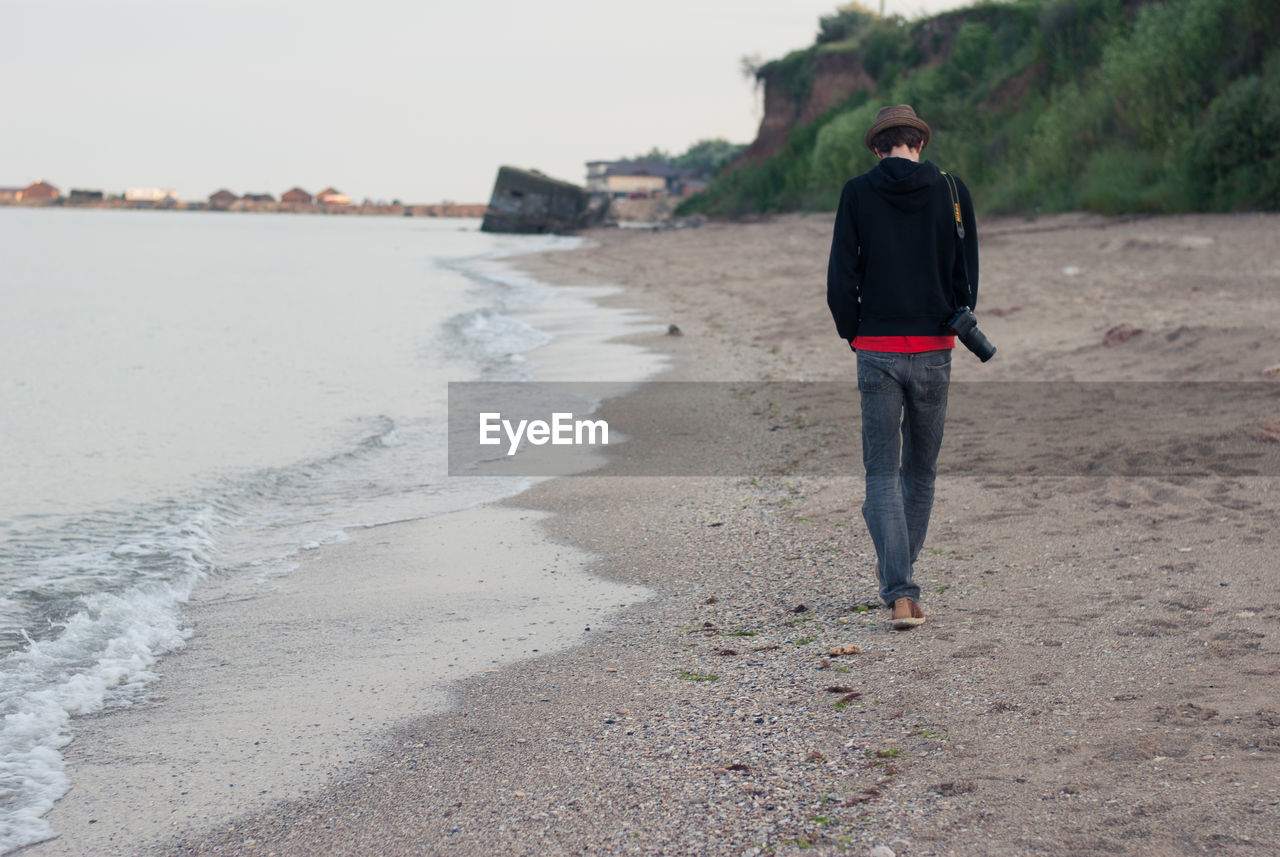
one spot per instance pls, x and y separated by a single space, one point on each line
188 395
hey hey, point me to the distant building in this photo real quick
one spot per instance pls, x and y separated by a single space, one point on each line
332 196
596 172
10 194
623 179
150 194
39 192
84 197
222 199
258 197
296 195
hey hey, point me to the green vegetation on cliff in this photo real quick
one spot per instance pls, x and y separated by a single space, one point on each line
1044 105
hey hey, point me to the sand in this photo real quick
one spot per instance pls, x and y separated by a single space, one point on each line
1098 673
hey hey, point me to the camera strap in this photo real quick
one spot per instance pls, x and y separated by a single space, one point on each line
954 194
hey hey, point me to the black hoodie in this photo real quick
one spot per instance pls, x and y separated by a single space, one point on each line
895 259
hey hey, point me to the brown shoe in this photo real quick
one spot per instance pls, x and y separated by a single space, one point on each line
906 614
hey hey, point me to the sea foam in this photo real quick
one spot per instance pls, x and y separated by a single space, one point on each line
104 653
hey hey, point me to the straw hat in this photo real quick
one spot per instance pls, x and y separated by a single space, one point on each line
899 114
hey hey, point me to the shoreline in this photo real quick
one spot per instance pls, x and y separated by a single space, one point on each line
1098 672
261 661
281 690
458 211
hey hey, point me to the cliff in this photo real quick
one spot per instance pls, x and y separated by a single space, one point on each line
835 77
1115 106
803 86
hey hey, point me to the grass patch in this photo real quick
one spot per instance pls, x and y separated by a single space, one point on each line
695 676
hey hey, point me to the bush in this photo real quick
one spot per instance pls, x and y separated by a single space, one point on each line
1166 68
884 48
1118 179
839 152
974 52
1072 35
1233 158
846 24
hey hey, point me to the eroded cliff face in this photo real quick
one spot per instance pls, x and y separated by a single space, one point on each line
836 77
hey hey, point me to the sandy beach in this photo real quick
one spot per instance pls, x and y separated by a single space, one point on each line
1099 673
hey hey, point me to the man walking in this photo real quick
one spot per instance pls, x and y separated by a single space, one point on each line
898 272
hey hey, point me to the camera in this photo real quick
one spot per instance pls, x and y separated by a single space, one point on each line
966 327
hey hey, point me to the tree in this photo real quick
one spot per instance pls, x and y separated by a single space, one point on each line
708 155
849 21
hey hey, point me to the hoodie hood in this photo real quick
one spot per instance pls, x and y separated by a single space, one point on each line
905 184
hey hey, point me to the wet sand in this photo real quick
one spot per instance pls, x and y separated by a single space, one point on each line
281 690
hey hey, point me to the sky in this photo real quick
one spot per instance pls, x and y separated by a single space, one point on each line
416 100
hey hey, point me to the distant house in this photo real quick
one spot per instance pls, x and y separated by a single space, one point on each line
222 199
332 196
39 192
258 197
296 195
10 194
622 179
596 171
84 197
150 194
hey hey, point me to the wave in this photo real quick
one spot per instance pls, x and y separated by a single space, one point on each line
100 654
495 341
96 599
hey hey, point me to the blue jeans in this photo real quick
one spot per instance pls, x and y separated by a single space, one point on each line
904 406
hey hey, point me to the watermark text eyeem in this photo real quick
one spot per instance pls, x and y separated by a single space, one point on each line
563 430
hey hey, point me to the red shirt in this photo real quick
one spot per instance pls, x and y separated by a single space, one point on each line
903 344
